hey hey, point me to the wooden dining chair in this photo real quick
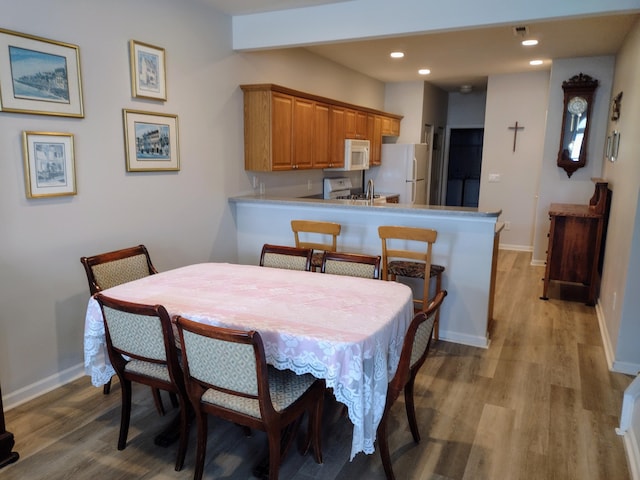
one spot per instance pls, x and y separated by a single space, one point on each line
110 269
414 352
290 258
351 264
402 257
227 375
142 348
317 235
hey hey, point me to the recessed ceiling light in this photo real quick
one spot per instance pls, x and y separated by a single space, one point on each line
529 43
465 88
424 71
536 62
397 54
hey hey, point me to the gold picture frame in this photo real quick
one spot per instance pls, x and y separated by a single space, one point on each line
39 76
148 71
49 164
151 141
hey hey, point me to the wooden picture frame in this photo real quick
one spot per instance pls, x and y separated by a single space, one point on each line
148 71
39 76
151 141
49 164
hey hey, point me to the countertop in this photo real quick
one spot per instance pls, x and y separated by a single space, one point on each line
399 207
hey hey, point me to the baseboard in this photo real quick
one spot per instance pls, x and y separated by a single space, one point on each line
470 340
633 454
517 248
615 366
43 386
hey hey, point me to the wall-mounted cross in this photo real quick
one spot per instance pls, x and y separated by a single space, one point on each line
515 129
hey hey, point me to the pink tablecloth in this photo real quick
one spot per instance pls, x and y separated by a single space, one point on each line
346 330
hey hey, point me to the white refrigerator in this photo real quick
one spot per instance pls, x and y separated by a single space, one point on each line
405 170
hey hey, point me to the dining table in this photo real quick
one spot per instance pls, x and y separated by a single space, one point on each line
346 330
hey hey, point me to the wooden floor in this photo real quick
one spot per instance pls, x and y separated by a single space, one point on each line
540 403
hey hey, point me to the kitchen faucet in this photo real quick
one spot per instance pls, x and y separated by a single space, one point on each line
369 195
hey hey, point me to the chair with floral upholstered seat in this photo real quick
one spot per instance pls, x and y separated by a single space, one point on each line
406 252
142 348
110 269
320 236
227 375
414 352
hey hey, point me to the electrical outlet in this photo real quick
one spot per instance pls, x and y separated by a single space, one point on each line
507 225
494 177
255 182
261 188
309 185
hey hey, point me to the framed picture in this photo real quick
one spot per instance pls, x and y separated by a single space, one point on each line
39 76
49 164
148 72
151 141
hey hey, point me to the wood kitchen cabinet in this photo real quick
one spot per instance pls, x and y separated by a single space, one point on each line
374 134
390 126
288 130
576 242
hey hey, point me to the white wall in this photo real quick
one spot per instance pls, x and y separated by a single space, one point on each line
183 217
405 98
555 185
620 292
514 98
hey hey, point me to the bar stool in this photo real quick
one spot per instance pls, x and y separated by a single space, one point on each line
404 262
316 230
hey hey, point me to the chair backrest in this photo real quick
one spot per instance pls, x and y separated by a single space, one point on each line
400 243
290 258
226 360
325 234
109 269
351 264
416 343
140 332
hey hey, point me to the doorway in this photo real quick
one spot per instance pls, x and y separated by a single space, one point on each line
464 167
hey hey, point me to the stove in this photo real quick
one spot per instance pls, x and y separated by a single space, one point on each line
334 188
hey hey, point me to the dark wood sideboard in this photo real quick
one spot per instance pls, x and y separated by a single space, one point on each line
6 440
576 242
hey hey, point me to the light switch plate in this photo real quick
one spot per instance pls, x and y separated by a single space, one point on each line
494 177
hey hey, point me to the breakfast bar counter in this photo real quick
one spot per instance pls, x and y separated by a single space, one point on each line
465 246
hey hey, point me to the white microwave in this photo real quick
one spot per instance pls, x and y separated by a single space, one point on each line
356 155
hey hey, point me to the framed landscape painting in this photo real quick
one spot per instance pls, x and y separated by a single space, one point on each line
148 72
49 164
151 141
39 76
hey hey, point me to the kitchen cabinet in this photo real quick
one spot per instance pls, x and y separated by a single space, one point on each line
321 135
355 124
289 130
303 135
390 126
576 242
337 130
374 134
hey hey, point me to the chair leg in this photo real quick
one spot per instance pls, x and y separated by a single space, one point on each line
274 439
314 430
174 399
125 386
201 449
158 401
411 410
383 445
106 388
184 433
436 322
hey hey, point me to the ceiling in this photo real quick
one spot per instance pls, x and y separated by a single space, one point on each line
461 57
